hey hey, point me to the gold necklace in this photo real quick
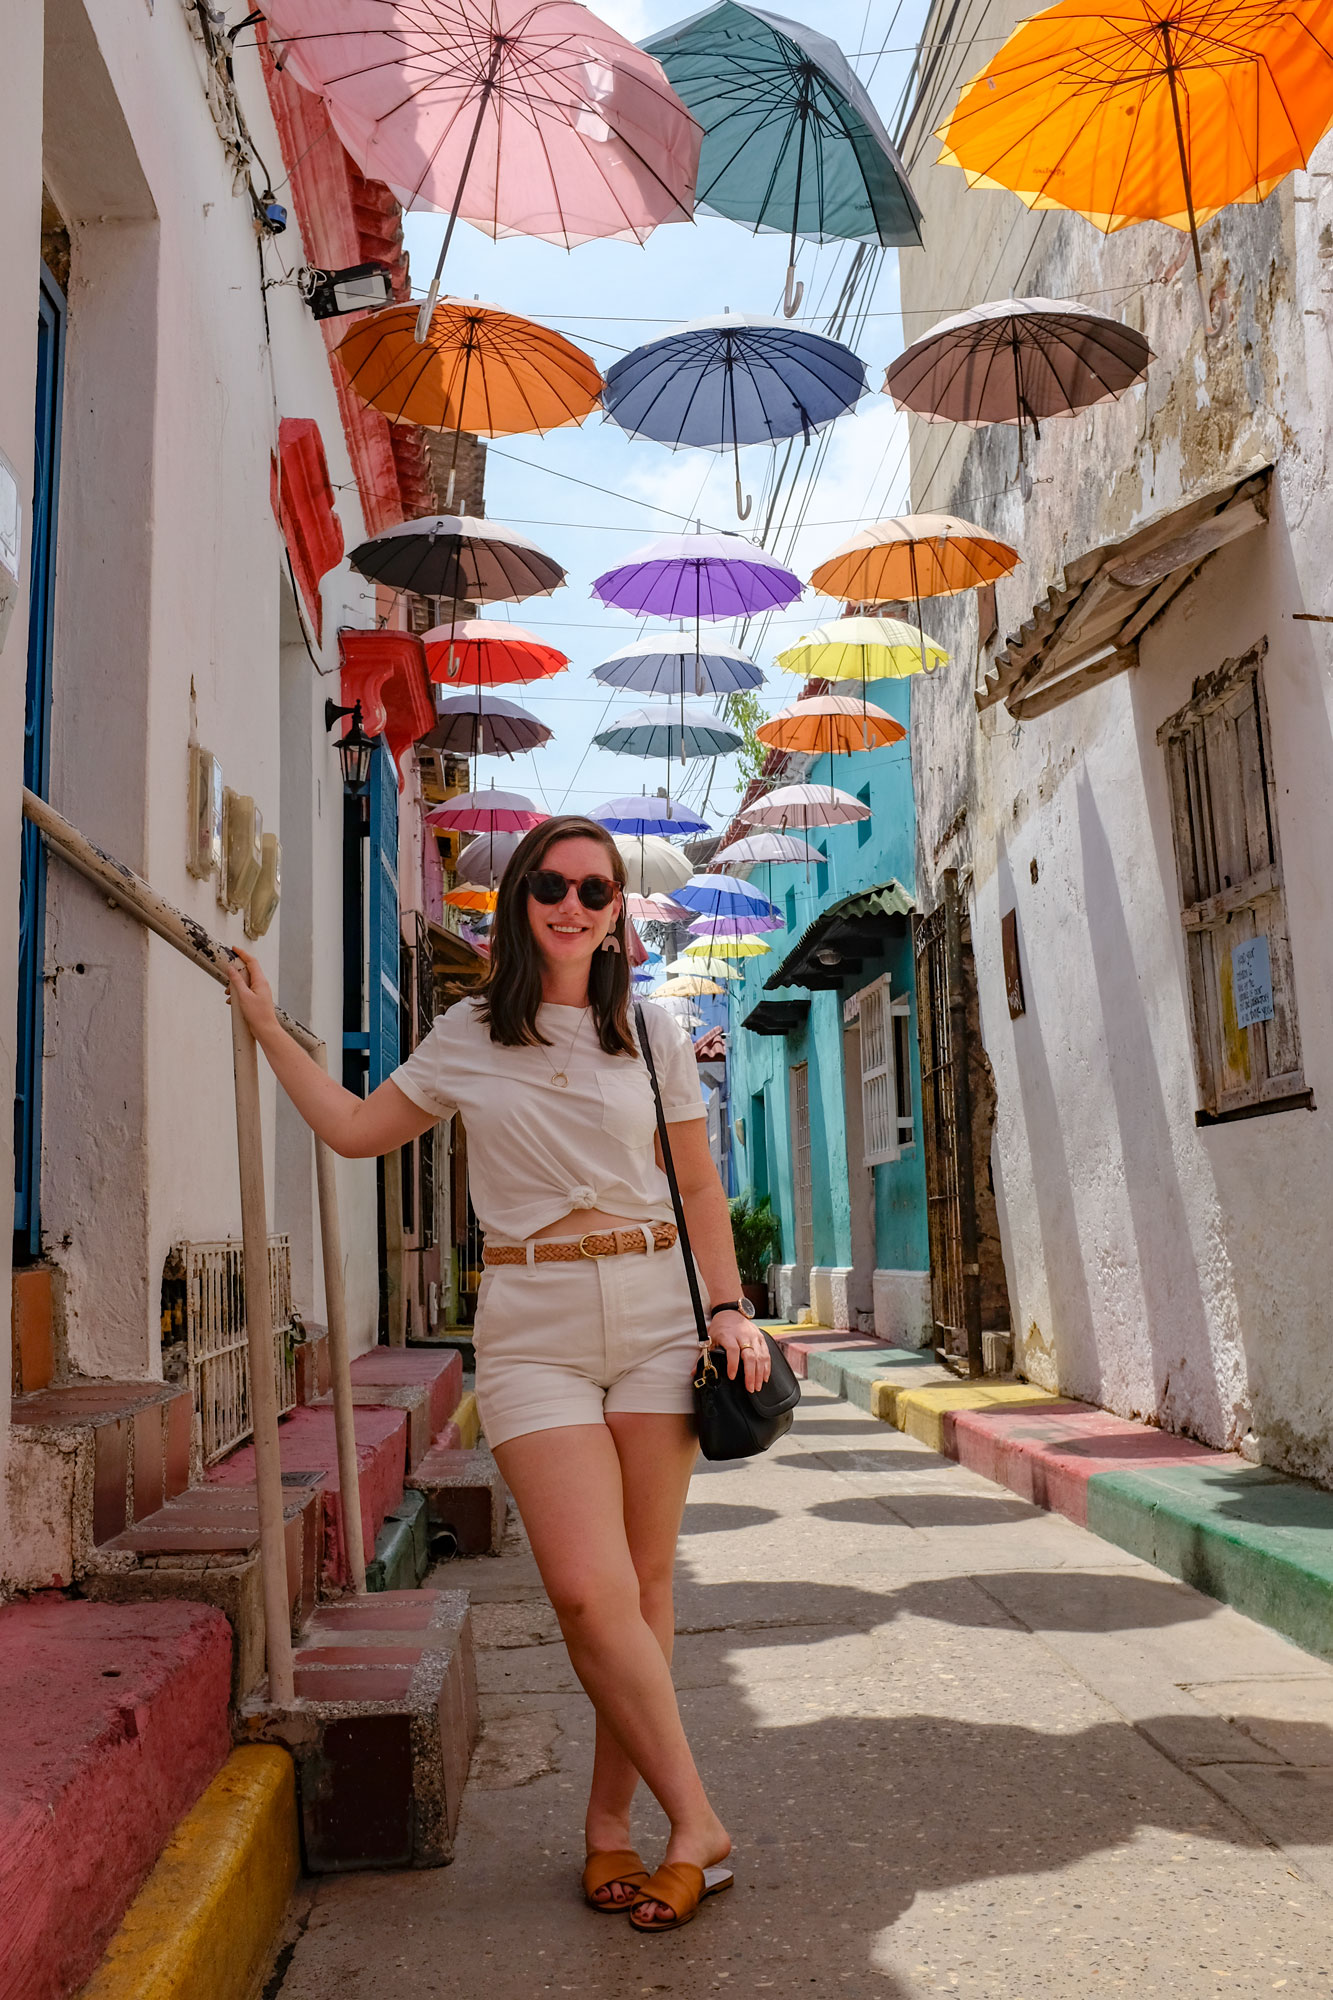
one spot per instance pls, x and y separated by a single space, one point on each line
558 1076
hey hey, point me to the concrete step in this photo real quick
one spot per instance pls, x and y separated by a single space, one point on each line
118 1720
86 1460
204 1545
383 1731
466 1497
427 1386
308 1443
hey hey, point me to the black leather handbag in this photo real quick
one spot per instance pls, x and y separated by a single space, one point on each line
732 1421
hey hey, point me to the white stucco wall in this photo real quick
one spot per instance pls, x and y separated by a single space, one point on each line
1157 1268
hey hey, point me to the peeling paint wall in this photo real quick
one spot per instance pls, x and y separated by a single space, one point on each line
1166 1271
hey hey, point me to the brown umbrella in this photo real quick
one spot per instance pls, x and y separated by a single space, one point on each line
1018 361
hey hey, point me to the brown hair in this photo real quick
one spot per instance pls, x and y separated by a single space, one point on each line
512 991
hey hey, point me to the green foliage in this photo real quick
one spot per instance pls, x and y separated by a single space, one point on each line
744 711
757 1234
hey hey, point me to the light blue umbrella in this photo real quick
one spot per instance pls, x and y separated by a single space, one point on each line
738 379
660 665
723 896
664 816
792 142
662 732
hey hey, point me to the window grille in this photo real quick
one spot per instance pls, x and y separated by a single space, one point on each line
803 1181
1233 905
215 1337
902 1070
879 1096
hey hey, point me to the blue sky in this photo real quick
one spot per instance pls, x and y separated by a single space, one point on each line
610 297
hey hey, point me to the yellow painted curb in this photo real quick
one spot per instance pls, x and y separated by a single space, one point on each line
204 1923
468 1420
921 1412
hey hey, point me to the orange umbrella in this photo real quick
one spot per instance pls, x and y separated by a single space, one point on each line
471 898
830 724
916 556
1149 110
479 369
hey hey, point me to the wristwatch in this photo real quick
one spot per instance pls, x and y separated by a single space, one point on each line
732 1306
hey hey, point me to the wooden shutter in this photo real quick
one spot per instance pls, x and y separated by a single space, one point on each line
879 1096
1229 866
382 998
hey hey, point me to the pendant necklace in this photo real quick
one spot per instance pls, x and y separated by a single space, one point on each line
558 1076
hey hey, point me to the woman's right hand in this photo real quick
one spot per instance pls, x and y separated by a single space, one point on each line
251 992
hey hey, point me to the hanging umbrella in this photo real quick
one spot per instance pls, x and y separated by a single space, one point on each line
471 898
656 666
485 858
486 812
480 369
722 896
804 805
488 652
733 380
655 910
659 732
468 727
653 865
680 1010
728 948
1149 110
766 847
460 557
645 815
792 141
687 986
862 649
914 556
526 120
746 925
703 968
830 724
698 576
1018 361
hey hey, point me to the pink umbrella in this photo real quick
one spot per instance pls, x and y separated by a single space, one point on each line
486 812
525 117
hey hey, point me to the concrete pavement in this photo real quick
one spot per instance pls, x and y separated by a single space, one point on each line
963 1746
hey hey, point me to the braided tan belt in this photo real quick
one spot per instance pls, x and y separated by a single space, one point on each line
572 1249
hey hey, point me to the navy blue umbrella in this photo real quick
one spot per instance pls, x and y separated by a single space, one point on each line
733 380
645 815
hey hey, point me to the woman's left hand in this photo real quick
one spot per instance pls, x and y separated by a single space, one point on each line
744 1345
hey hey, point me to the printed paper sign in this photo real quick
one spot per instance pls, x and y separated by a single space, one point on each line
1252 982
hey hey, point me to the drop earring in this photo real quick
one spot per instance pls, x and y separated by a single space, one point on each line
611 942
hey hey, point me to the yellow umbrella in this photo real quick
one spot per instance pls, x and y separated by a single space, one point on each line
832 725
686 988
861 649
727 947
471 899
1149 110
914 556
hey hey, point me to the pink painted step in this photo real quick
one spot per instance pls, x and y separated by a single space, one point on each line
1047 1454
440 1373
116 1723
308 1443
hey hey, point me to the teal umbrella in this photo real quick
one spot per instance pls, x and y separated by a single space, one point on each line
792 142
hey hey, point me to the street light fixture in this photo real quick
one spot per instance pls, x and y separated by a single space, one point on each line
355 748
356 288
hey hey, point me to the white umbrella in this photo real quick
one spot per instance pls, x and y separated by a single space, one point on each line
805 805
654 866
688 1016
704 968
757 847
484 859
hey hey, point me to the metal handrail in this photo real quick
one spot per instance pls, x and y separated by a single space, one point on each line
132 894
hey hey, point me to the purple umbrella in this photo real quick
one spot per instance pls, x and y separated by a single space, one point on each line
699 576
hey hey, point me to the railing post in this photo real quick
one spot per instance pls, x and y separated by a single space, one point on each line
340 1372
263 1369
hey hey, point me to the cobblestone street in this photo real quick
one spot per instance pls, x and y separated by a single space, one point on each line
962 1746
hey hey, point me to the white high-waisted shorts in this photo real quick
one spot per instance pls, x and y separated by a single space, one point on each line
561 1344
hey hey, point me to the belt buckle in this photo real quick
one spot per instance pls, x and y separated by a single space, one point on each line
597 1255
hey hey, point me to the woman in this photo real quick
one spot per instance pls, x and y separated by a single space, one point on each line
585 1333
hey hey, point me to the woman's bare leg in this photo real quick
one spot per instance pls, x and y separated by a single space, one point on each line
569 1489
657 1455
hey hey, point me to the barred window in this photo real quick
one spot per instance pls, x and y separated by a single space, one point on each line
879 1094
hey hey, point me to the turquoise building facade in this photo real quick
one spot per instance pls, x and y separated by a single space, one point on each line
824 1074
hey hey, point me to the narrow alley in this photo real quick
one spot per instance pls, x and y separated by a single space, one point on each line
964 1746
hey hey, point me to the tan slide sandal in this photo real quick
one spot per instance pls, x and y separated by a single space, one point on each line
604 1871
682 1887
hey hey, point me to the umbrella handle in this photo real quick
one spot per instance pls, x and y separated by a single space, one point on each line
791 298
422 327
744 501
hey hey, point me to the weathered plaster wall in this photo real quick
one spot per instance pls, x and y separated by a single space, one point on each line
1160 1269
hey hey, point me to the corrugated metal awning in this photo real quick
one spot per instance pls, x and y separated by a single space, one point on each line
1087 629
836 945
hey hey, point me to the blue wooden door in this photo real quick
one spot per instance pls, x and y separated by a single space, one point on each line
382 971
37 768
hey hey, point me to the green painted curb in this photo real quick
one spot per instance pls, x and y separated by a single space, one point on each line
1246 1535
402 1556
848 1371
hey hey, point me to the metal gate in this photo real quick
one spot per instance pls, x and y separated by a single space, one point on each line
946 1119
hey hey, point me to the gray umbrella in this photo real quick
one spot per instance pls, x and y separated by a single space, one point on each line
1018 361
485 858
483 723
460 557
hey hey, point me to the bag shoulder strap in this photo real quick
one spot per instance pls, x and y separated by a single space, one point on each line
669 1164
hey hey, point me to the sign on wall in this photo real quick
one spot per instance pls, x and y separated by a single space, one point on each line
1252 982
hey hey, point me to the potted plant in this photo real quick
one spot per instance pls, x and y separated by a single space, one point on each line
757 1235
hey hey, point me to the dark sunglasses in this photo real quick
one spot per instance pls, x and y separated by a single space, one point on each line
547 885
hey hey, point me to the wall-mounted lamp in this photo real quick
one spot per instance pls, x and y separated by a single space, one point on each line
355 748
356 288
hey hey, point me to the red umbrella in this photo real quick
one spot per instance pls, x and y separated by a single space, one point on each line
485 652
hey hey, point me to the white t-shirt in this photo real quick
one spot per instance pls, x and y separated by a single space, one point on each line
537 1149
